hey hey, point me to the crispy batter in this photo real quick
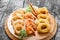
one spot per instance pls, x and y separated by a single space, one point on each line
43 27
30 26
42 10
29 15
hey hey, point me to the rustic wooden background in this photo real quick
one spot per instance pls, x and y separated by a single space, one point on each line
7 6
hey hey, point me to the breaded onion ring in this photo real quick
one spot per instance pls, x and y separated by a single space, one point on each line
41 21
43 28
43 16
42 10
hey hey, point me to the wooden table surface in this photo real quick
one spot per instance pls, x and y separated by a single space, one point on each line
7 6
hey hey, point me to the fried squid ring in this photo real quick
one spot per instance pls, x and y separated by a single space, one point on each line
14 18
19 22
17 28
30 26
43 27
18 25
42 10
29 15
18 12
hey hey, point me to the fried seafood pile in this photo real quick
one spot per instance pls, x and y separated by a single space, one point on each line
25 20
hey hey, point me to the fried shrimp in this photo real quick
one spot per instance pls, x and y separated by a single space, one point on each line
31 23
29 15
43 27
30 26
29 30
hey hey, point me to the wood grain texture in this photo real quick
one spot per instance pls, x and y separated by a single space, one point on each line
47 38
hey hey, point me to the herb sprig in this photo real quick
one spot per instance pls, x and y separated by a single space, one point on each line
28 9
22 34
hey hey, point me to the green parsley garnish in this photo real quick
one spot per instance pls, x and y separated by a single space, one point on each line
28 9
22 34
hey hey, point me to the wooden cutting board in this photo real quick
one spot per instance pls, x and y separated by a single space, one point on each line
47 38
